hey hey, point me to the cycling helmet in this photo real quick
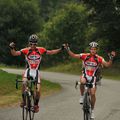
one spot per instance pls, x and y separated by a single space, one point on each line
33 38
93 44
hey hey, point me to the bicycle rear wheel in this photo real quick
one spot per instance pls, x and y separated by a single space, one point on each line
86 107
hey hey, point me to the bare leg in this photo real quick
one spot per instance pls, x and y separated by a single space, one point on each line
37 94
23 89
37 97
93 97
24 84
82 81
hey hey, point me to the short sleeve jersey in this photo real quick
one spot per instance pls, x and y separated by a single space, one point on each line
91 65
33 57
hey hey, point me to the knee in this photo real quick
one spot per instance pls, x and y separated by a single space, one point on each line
93 95
82 81
38 88
38 91
24 83
93 92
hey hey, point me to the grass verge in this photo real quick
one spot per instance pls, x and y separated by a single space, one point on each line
9 95
76 67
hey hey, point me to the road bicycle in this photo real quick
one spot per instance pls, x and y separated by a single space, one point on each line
28 98
86 100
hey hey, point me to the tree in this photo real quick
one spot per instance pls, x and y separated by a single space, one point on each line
67 26
48 7
106 17
18 19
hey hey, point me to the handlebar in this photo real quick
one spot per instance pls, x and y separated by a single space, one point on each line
87 84
28 81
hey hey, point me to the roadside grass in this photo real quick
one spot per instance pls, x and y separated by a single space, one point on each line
9 95
11 66
70 68
76 67
112 73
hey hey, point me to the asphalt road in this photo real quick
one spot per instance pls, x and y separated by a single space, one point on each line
65 106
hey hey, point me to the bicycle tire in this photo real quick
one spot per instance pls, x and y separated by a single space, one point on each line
31 111
86 107
25 107
29 107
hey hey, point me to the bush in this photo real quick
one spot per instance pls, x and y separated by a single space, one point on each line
67 26
18 19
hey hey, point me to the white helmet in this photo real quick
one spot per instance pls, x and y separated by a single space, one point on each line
93 44
33 38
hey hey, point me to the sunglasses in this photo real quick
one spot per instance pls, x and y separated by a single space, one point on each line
33 43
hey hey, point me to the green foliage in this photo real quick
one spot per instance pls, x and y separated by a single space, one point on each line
67 26
7 83
76 68
18 19
10 95
76 22
106 17
48 7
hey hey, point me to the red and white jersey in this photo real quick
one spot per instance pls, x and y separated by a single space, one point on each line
33 57
91 65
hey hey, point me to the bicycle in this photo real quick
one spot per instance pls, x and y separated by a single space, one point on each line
28 98
86 100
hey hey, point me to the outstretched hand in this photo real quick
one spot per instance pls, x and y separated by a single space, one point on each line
12 45
66 46
63 47
112 55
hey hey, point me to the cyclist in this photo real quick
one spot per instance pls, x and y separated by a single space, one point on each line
33 56
91 62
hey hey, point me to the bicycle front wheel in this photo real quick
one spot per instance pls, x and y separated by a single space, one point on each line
86 107
31 106
25 107
28 108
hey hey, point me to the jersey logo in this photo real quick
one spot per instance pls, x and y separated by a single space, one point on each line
92 64
33 57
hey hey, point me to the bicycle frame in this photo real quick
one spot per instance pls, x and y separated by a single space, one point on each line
28 99
86 100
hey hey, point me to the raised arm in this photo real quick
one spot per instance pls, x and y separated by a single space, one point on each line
13 51
51 52
71 53
111 57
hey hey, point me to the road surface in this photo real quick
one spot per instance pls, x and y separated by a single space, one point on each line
65 106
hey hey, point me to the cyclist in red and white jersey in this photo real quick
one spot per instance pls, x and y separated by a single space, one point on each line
91 62
33 56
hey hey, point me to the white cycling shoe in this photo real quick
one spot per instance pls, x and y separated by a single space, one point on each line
92 114
81 100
